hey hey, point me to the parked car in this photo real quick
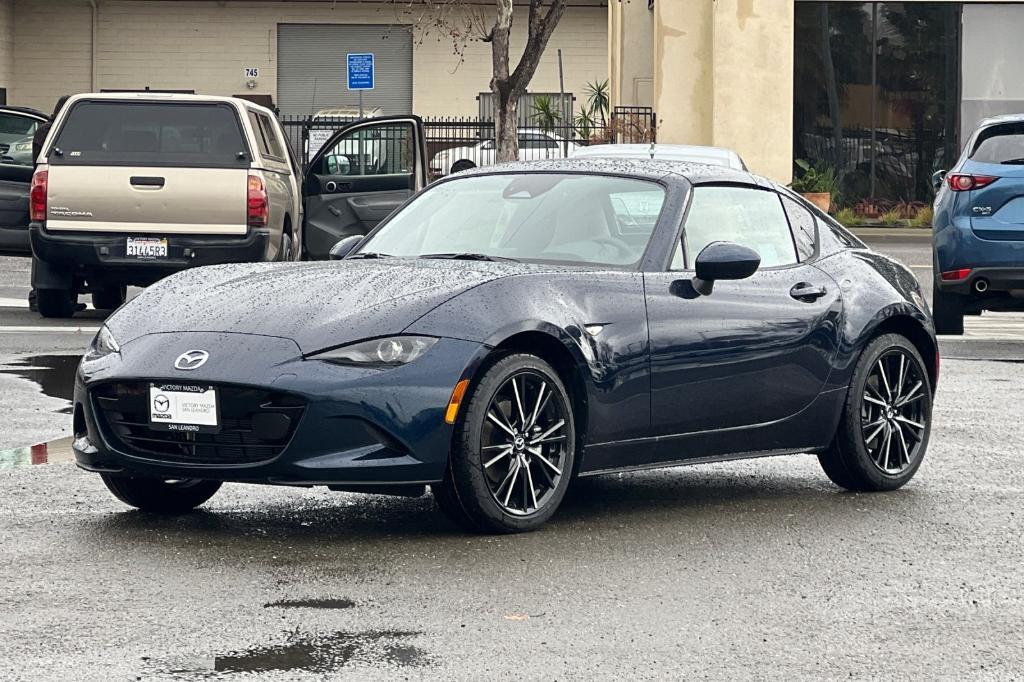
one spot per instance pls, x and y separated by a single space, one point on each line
979 226
534 145
716 156
513 328
133 187
17 125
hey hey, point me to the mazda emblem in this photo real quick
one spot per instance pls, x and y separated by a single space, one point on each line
191 359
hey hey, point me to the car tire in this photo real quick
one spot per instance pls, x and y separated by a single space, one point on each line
109 298
56 303
487 491
462 165
882 405
160 496
948 312
284 253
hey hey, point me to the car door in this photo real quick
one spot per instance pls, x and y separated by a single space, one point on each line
15 180
359 176
751 353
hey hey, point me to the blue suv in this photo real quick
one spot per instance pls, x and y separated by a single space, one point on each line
979 226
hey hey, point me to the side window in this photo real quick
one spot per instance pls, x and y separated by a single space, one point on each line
385 149
805 230
271 136
16 139
257 130
747 216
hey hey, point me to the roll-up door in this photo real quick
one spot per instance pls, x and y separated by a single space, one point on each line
311 67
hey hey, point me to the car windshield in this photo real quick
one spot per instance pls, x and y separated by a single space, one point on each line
535 217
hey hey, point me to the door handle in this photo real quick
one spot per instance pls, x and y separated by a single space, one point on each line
807 292
146 181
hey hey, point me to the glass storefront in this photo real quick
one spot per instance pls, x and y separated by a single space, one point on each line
876 94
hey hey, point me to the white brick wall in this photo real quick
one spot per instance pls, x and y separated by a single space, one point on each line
6 42
206 45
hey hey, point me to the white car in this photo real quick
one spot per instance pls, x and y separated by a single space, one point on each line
713 156
534 145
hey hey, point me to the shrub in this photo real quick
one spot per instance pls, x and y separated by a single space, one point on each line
923 218
891 217
847 217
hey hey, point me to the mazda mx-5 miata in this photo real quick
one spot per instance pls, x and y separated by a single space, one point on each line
510 329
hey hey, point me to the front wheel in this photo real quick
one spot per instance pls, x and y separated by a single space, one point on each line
513 449
886 422
158 495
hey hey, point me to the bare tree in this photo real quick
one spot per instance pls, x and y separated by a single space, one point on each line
466 20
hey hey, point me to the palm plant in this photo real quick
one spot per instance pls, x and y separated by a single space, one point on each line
545 112
585 123
597 99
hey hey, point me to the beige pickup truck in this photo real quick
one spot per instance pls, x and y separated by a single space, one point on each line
131 187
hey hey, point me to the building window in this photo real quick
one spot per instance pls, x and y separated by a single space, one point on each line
876 94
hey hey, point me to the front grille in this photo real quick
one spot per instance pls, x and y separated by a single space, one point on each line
4 147
256 425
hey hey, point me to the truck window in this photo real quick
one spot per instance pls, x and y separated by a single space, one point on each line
150 134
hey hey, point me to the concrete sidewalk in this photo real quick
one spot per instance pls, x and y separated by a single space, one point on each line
900 232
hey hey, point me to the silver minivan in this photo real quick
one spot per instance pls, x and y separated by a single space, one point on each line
131 187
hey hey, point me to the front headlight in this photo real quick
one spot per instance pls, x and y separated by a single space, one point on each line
23 147
391 351
103 345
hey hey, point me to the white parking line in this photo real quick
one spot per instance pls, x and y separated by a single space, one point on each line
85 331
6 302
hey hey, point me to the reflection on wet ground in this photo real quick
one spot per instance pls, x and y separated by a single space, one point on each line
311 604
54 374
41 453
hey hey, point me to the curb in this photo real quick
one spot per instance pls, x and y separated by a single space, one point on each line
901 232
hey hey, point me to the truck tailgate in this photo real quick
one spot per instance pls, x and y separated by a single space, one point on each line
148 200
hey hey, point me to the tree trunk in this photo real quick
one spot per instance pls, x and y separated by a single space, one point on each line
506 134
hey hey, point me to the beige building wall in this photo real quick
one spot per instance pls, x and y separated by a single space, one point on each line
630 58
6 43
206 46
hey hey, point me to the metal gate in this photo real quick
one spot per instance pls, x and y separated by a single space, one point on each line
311 67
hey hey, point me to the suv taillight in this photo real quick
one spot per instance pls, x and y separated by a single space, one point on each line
37 196
259 204
961 182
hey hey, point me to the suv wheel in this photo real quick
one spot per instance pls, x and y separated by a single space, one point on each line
948 312
56 302
158 495
513 449
109 298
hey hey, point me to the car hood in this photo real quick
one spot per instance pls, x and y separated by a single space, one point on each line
317 305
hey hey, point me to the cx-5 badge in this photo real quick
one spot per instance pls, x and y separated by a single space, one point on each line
191 359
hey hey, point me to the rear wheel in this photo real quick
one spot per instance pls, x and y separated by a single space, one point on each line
109 298
948 312
284 253
513 449
462 165
886 422
56 303
159 495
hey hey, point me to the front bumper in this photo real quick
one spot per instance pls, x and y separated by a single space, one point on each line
356 426
101 255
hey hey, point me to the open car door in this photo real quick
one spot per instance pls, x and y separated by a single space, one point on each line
359 176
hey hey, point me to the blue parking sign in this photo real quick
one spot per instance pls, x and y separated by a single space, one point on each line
360 71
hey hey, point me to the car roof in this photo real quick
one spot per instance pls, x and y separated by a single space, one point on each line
716 156
29 111
1002 118
656 169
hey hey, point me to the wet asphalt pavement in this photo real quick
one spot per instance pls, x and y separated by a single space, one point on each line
757 569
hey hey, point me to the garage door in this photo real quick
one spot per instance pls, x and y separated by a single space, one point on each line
311 67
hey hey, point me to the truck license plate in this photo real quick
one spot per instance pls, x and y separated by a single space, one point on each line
146 248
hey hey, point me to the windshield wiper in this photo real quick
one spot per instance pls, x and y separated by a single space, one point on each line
368 254
1013 162
467 256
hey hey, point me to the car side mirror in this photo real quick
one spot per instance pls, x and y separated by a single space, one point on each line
345 246
723 260
937 178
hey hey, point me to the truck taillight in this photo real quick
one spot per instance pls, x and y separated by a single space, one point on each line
37 196
259 204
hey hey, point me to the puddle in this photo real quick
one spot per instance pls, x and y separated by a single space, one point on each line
42 453
325 653
54 374
311 604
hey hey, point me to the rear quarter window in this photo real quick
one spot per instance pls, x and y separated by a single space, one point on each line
1002 144
151 134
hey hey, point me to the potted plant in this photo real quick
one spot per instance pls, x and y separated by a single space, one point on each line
815 184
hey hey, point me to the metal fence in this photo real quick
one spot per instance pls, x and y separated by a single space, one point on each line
456 142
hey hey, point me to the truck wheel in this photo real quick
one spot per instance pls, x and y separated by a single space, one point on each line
284 252
56 303
110 298
948 312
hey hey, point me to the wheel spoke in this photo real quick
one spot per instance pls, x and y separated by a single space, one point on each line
512 483
504 453
880 424
885 445
500 422
542 399
874 401
536 453
909 422
884 377
557 425
903 446
552 439
901 376
500 446
529 484
519 402
911 396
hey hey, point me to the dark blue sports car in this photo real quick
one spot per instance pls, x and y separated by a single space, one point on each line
510 329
